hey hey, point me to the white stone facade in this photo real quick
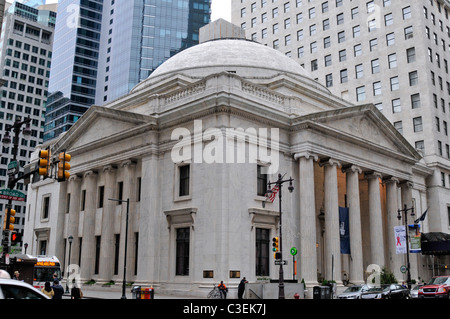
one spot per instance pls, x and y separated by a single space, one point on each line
197 221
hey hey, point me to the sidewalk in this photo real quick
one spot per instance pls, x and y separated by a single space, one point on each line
98 292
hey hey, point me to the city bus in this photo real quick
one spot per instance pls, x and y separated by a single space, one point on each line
36 270
44 269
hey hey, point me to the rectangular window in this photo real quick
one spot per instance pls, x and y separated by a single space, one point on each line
46 207
182 252
116 254
261 182
101 193
184 172
97 254
262 252
83 200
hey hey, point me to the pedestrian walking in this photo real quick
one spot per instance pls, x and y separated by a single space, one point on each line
58 289
76 292
16 275
223 290
48 290
241 288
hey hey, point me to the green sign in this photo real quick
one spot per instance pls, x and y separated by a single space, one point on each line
293 251
12 194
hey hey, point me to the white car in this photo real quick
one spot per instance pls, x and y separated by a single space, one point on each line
353 292
15 289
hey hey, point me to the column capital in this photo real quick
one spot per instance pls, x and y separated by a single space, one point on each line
372 174
390 179
90 174
109 168
306 155
406 184
328 161
128 162
351 168
74 178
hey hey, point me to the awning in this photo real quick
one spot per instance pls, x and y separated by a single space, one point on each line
435 243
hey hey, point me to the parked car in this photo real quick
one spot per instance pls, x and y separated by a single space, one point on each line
414 292
438 287
14 289
353 292
392 291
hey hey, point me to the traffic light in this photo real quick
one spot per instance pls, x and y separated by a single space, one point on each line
63 166
44 162
12 219
275 244
16 238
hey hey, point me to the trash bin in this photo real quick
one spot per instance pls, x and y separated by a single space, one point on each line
321 292
139 292
136 292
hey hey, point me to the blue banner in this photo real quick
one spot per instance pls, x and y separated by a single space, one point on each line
344 230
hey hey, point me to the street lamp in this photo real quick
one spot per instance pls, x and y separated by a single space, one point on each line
70 239
279 183
399 216
126 244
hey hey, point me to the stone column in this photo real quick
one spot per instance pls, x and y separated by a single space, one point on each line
353 202
332 238
74 189
149 231
376 220
392 206
107 241
308 264
88 244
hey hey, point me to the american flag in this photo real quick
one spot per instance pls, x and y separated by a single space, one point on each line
272 195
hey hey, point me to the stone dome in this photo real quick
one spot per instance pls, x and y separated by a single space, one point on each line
246 58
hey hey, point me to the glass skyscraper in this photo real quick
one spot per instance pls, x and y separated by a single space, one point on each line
103 48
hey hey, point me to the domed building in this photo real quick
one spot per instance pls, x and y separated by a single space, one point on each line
196 146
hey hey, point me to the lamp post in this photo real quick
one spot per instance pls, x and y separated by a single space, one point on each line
279 183
126 244
399 216
70 239
17 128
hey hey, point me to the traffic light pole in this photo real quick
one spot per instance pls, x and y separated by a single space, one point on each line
280 183
12 180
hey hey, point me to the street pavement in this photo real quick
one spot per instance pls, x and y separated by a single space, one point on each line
98 292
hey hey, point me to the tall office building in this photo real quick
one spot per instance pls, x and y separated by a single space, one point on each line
25 57
394 54
105 48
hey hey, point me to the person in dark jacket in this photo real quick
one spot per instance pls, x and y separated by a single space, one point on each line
241 288
58 289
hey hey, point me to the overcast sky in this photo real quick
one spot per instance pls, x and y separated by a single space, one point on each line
220 9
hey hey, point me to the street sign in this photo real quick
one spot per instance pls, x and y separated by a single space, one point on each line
12 194
280 262
13 168
293 251
403 269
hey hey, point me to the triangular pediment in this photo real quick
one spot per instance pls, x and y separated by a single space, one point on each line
102 125
365 125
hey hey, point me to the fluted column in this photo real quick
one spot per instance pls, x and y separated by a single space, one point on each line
88 244
74 189
376 220
407 199
332 238
107 241
353 202
308 264
392 207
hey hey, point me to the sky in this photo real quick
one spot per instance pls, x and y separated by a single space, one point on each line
220 9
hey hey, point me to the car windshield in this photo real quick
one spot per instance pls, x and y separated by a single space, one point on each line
374 289
439 280
353 289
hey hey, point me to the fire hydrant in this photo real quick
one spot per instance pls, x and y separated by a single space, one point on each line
296 296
